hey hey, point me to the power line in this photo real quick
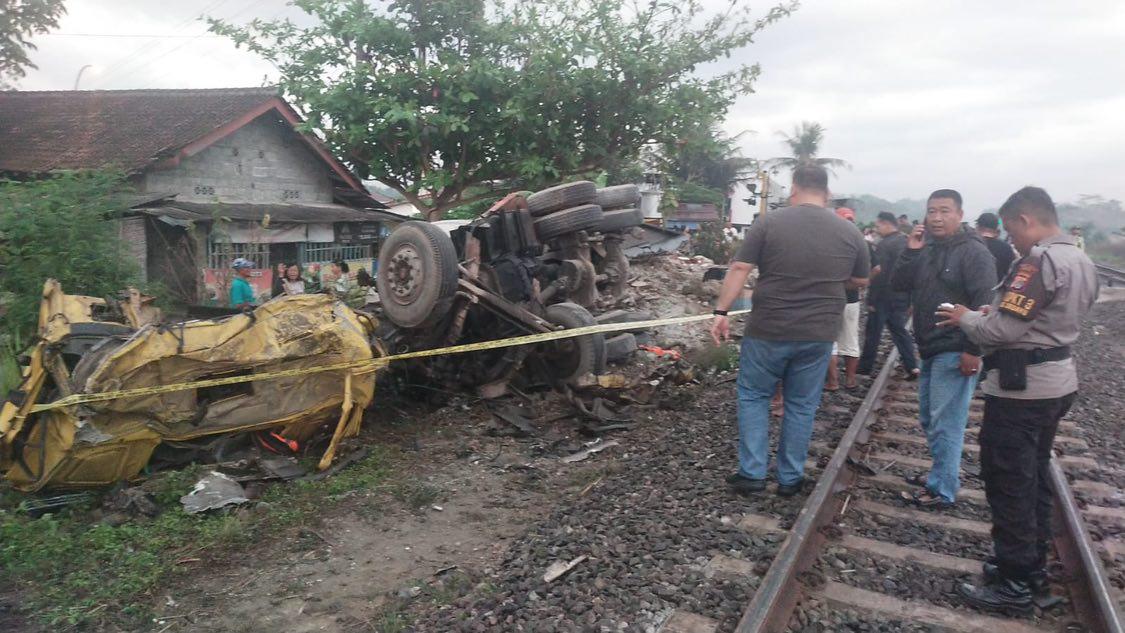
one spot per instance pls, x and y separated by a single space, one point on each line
124 61
144 35
145 64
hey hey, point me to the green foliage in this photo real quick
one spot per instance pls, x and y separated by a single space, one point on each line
711 159
711 242
73 572
804 145
691 192
19 21
446 95
61 227
717 357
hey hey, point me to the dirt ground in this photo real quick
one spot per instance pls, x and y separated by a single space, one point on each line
469 491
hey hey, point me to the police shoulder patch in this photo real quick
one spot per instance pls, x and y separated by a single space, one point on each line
1025 294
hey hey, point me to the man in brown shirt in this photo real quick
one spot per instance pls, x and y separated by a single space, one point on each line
807 257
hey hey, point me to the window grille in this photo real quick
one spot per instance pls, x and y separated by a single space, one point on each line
221 254
325 252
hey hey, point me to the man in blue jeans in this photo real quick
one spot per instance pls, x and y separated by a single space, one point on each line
944 263
806 256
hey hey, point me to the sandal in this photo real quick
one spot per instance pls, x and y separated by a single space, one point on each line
927 499
916 480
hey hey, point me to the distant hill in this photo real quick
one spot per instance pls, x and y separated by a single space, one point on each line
868 206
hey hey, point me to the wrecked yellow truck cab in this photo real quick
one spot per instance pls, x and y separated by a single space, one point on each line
88 345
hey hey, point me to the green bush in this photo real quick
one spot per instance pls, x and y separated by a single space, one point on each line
61 227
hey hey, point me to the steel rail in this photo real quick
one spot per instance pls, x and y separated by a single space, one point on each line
772 605
775 599
1111 275
1089 586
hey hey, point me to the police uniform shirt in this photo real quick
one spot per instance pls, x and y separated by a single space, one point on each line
1040 304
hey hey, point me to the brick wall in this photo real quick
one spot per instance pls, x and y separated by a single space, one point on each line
132 232
265 161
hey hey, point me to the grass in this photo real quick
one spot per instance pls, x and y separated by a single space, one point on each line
717 357
72 572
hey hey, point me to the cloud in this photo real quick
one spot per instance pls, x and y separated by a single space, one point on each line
983 96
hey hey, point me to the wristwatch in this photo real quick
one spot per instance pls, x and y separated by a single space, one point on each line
719 312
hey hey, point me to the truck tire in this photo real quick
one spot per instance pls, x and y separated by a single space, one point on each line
569 359
418 274
587 216
617 197
619 219
572 194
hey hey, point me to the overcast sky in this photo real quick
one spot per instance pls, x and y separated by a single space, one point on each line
983 97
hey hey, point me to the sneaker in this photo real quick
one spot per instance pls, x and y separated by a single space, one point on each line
788 490
1011 597
745 485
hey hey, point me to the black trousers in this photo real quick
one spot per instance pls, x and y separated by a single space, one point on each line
1015 453
890 313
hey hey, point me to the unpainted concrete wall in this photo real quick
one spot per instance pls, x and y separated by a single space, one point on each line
265 162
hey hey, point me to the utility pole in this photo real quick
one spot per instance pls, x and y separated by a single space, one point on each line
763 201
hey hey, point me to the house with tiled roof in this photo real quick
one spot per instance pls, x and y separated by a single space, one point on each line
219 174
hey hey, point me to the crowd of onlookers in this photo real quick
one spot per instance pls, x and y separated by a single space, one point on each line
289 280
988 312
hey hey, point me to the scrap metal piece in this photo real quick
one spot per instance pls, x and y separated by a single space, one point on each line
559 568
213 491
586 452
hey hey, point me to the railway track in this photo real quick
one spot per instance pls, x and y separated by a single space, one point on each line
1111 276
857 548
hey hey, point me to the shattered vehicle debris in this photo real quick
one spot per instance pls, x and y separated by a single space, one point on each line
88 345
532 264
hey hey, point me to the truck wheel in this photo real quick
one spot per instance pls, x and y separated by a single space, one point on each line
619 219
617 197
418 274
572 358
572 194
566 221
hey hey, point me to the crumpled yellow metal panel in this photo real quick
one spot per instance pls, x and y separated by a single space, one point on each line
100 443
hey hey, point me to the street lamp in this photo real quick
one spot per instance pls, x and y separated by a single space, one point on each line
79 76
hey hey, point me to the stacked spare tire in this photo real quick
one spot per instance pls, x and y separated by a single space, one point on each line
431 280
581 206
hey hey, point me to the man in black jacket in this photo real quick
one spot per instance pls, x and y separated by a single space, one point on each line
886 308
944 263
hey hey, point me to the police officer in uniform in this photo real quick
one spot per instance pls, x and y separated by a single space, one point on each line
1030 383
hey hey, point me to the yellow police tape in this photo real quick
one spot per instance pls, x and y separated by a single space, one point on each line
369 364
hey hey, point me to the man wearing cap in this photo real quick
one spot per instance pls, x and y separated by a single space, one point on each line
988 228
847 339
241 293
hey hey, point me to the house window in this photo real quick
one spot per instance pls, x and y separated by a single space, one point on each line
221 254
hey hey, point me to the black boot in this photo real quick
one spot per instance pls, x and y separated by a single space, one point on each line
1037 581
1003 595
745 485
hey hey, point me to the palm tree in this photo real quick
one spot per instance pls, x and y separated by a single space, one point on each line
804 143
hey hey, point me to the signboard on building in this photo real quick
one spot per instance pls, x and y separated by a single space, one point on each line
356 232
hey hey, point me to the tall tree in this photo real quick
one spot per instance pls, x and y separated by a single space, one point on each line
19 21
804 145
437 98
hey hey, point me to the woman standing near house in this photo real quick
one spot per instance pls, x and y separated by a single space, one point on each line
293 284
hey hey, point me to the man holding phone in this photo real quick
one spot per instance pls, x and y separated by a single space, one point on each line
944 264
